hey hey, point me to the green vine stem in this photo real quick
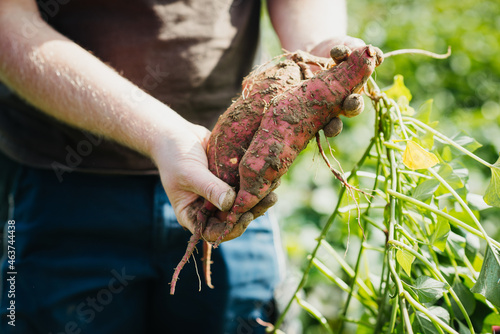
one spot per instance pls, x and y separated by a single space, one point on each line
391 184
431 316
370 304
437 274
391 235
450 218
467 209
315 313
347 269
419 52
448 140
390 147
325 230
370 205
394 315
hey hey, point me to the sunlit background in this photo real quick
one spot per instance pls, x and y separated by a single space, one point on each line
465 89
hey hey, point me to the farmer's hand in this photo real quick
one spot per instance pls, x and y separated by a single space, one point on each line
182 162
218 226
323 48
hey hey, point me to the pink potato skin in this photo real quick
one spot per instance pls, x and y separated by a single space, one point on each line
292 121
228 142
235 128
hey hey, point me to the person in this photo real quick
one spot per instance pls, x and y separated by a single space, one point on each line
104 110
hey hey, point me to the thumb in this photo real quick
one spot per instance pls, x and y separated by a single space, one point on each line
209 186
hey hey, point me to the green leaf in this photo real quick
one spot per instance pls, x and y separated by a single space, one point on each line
488 282
477 264
398 89
426 189
405 260
424 111
362 329
427 140
429 290
446 154
465 296
426 325
492 195
440 234
454 174
476 202
462 329
491 320
466 142
472 246
464 216
449 153
404 106
457 245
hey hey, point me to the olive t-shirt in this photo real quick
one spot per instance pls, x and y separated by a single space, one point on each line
191 55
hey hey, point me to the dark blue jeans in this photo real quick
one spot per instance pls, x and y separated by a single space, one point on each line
95 254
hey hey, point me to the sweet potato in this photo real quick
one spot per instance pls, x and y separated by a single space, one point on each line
234 131
292 121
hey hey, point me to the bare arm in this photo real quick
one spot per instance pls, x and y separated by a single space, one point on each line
68 83
314 26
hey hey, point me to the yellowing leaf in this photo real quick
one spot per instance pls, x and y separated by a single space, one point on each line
398 89
492 195
405 260
416 157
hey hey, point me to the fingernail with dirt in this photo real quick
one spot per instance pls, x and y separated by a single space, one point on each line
246 219
226 200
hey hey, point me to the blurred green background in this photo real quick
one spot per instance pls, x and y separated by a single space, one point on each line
466 93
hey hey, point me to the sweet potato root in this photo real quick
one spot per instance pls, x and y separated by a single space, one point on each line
279 111
234 132
292 121
235 129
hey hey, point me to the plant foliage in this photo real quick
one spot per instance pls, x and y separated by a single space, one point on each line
434 278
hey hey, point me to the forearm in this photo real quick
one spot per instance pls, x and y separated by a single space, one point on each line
68 83
301 25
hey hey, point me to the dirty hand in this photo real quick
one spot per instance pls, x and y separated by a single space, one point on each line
323 49
182 162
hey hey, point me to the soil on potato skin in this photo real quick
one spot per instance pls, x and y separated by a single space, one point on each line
235 129
300 112
232 136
